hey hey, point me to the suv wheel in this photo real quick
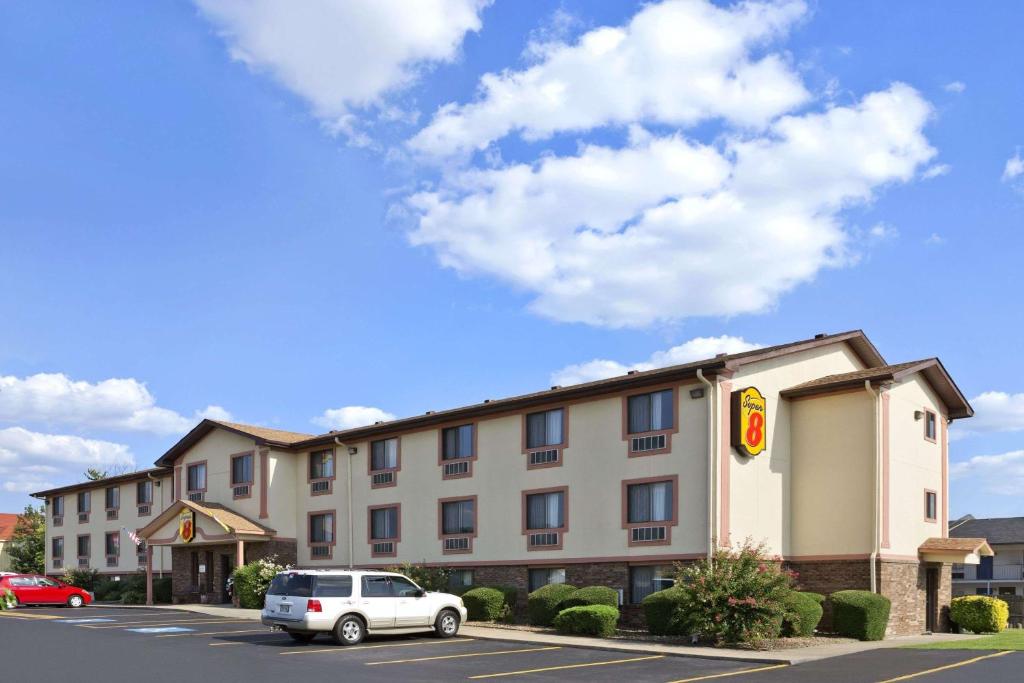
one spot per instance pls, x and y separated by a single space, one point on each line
75 601
447 623
349 630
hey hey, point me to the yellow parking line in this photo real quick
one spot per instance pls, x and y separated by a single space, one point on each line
148 624
731 673
29 615
470 654
947 666
342 648
568 666
216 633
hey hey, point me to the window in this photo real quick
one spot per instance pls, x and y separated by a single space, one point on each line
299 585
84 502
241 469
376 587
930 425
112 498
112 544
321 534
58 506
460 579
646 580
321 465
83 547
930 506
1007 590
333 587
57 547
545 510
144 493
384 455
650 412
545 428
384 524
402 587
542 577
458 517
197 477
650 502
457 442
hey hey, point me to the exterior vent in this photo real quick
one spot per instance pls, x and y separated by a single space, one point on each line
456 544
58 564
111 514
547 457
145 510
383 478
456 469
321 486
641 444
83 517
111 560
555 387
544 540
241 491
58 521
648 534
83 562
384 548
196 496
320 551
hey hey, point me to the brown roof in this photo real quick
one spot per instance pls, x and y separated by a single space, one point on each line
264 436
107 481
931 368
7 522
965 545
232 522
265 433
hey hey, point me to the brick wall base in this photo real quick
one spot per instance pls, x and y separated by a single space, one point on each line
219 560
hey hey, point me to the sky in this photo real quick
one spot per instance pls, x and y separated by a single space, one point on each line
314 216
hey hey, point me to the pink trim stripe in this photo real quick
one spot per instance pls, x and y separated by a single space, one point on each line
945 476
725 389
885 469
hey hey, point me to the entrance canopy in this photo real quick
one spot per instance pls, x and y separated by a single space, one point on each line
207 523
955 550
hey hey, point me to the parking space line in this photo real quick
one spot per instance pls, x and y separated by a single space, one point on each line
708 677
224 644
954 665
567 666
169 623
28 615
217 633
468 654
342 648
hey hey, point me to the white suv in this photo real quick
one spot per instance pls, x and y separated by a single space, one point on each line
351 604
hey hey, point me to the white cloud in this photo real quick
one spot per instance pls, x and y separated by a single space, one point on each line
343 55
935 239
698 348
955 87
994 411
29 461
1001 475
349 417
882 232
213 412
936 170
1014 168
677 62
664 228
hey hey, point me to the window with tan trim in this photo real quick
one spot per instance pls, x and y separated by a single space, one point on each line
456 521
457 451
648 422
545 517
384 529
195 480
321 534
242 476
321 472
650 508
544 437
144 498
930 506
112 501
84 506
385 462
931 426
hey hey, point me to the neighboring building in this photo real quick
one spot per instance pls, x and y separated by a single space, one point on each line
7 522
819 448
1000 574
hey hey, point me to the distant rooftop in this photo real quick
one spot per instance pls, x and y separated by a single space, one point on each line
998 530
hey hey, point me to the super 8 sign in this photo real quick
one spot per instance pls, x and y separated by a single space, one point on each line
749 421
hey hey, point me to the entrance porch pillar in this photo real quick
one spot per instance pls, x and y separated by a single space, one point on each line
240 554
149 574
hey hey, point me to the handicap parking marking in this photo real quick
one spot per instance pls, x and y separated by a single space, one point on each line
161 629
86 620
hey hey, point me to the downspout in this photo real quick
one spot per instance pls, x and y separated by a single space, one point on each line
157 484
712 479
351 528
876 496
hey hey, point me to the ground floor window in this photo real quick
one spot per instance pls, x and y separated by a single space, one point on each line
981 590
1007 590
460 578
542 577
646 580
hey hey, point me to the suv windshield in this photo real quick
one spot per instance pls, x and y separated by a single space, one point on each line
299 585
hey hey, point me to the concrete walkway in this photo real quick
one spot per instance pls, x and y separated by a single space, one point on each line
484 632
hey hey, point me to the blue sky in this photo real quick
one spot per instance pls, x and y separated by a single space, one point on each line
233 209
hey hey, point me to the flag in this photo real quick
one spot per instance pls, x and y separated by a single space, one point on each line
134 536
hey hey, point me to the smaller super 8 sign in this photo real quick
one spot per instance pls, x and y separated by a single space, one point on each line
749 421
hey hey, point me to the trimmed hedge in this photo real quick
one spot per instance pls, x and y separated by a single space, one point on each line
817 597
860 614
591 595
162 590
588 620
542 605
484 604
659 610
509 593
979 613
803 612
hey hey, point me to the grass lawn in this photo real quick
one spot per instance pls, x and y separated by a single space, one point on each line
1010 639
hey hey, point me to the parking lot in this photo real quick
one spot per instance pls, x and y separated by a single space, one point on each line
114 644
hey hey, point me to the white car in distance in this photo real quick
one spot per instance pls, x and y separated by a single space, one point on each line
350 605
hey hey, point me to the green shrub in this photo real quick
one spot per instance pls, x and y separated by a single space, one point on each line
817 597
510 593
107 590
860 614
542 604
979 613
252 580
428 578
162 590
803 612
736 597
85 579
133 597
591 595
588 620
659 609
484 604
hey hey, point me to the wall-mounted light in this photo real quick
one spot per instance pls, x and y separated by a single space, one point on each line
697 393
352 450
918 414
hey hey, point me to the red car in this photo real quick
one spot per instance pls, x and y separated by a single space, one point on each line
32 589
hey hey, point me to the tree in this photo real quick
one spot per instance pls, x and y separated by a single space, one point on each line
93 474
28 545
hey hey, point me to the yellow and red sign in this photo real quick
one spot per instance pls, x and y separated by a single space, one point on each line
749 421
187 525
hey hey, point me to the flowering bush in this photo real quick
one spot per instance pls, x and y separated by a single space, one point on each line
252 580
737 597
979 613
7 600
428 578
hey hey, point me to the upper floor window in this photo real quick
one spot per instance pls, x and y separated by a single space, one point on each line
930 506
545 510
144 493
458 517
321 534
651 412
84 502
384 455
241 469
57 547
457 442
649 502
384 524
57 506
545 428
83 546
930 425
113 543
196 478
112 498
321 465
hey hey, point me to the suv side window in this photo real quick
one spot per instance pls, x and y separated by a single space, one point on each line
376 587
403 587
333 587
